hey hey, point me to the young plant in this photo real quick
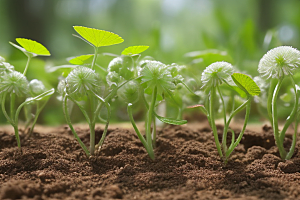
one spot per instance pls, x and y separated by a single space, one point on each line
212 78
155 81
279 64
82 86
15 85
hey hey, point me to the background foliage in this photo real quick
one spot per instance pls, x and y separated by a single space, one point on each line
242 31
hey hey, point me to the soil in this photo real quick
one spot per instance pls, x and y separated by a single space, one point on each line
52 165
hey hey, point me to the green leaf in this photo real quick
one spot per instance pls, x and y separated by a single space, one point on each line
170 121
80 60
134 50
98 37
246 84
31 46
50 69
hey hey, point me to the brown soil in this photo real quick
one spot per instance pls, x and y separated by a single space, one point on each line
187 166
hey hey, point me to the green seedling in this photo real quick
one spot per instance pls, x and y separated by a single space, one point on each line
154 81
279 64
15 85
83 85
212 78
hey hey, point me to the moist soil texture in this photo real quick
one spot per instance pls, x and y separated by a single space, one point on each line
187 166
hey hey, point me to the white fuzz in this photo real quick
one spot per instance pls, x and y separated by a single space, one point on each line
216 73
279 61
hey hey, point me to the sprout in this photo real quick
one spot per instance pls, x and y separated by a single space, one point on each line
212 77
280 61
216 73
82 80
14 82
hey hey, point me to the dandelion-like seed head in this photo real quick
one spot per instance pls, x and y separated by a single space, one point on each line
81 80
14 82
216 73
280 61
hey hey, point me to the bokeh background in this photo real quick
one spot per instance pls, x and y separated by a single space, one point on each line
241 30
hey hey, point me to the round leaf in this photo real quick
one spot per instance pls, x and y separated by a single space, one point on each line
98 37
134 50
33 47
246 84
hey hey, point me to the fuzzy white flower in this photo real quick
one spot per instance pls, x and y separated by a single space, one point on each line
81 80
14 82
215 73
279 61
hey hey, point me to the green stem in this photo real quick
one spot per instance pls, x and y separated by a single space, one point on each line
233 145
279 143
92 122
95 57
149 118
140 136
293 114
154 132
212 120
226 126
223 104
99 145
66 114
10 120
269 101
292 148
12 104
27 64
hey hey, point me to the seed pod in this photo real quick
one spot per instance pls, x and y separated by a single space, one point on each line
81 80
14 82
216 73
279 61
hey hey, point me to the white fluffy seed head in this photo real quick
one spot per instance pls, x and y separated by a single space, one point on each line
81 80
216 73
14 82
36 87
280 61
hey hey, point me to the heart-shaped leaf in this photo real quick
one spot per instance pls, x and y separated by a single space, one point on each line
98 37
246 84
31 46
134 50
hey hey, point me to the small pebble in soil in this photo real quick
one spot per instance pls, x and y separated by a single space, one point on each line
288 167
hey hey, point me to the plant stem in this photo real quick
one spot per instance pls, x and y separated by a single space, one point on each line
223 104
292 148
226 126
66 114
233 145
17 136
293 114
269 101
154 132
212 120
149 118
12 105
140 136
27 64
279 143
95 57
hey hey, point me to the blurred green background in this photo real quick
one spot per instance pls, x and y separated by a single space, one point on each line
242 30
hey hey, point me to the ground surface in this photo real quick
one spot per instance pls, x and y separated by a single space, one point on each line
53 166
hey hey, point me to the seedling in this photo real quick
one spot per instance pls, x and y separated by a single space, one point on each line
280 64
15 85
82 85
212 77
156 81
